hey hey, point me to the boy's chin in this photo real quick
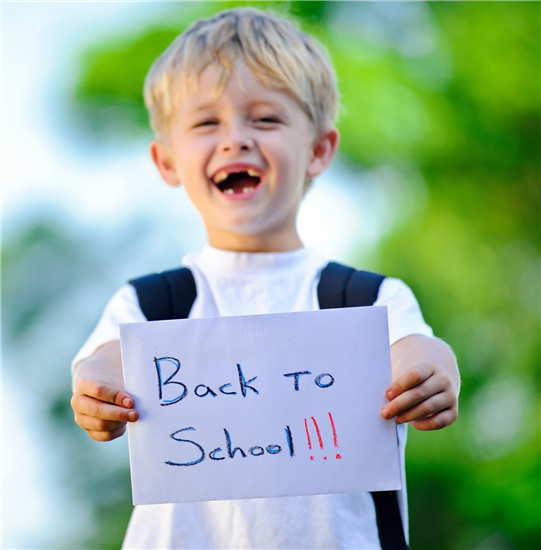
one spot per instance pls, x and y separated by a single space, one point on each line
254 235
245 229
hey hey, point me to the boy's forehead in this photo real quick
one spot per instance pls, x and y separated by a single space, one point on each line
214 88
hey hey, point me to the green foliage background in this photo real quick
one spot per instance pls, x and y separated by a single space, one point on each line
448 94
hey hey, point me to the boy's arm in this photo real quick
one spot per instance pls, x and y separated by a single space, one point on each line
100 404
426 383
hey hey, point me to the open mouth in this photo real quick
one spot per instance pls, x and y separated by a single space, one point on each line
237 183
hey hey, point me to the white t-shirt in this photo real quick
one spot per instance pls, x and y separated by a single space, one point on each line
234 283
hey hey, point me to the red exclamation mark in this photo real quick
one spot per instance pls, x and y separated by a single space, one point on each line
308 437
318 435
335 438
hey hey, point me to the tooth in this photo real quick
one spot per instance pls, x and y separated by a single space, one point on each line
247 189
228 191
253 173
220 176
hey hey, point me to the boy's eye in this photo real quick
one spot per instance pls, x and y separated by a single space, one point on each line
205 123
267 119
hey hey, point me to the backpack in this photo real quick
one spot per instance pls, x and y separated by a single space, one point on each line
171 294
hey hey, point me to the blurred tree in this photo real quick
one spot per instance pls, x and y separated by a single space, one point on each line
55 281
473 261
447 96
51 278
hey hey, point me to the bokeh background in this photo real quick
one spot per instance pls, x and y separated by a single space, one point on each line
436 182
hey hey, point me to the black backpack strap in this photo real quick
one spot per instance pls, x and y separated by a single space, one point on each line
166 295
342 286
389 520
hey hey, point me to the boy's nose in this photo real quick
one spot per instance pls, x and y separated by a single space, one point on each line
236 140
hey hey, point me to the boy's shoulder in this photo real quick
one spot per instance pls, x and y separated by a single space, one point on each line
171 294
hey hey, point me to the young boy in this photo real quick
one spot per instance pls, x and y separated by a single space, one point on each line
243 106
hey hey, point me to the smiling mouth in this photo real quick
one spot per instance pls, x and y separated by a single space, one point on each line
237 183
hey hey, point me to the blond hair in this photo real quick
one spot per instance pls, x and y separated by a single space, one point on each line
273 48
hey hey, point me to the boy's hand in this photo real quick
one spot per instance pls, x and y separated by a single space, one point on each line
425 389
424 396
102 407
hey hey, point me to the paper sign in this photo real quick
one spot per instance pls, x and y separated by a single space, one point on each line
260 406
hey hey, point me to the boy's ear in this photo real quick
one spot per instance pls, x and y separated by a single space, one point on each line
323 152
163 164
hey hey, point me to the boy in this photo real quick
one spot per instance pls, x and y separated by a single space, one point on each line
243 106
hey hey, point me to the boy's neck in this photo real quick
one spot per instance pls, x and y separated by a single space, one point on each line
279 242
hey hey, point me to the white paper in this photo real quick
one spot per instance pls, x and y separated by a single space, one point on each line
236 387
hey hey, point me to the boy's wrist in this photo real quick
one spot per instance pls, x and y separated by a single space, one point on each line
105 363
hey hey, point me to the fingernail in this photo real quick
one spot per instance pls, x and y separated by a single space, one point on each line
390 395
385 413
126 402
132 415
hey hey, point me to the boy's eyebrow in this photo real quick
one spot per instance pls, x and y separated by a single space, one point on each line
204 106
274 104
263 102
255 102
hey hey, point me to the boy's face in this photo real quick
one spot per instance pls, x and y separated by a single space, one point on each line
243 158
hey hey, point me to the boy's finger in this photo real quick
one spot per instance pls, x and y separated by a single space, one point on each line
91 424
437 422
426 408
98 409
413 377
411 397
105 392
107 436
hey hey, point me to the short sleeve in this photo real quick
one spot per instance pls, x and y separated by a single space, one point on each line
405 317
122 308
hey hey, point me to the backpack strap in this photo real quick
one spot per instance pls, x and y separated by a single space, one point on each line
166 295
389 520
342 286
